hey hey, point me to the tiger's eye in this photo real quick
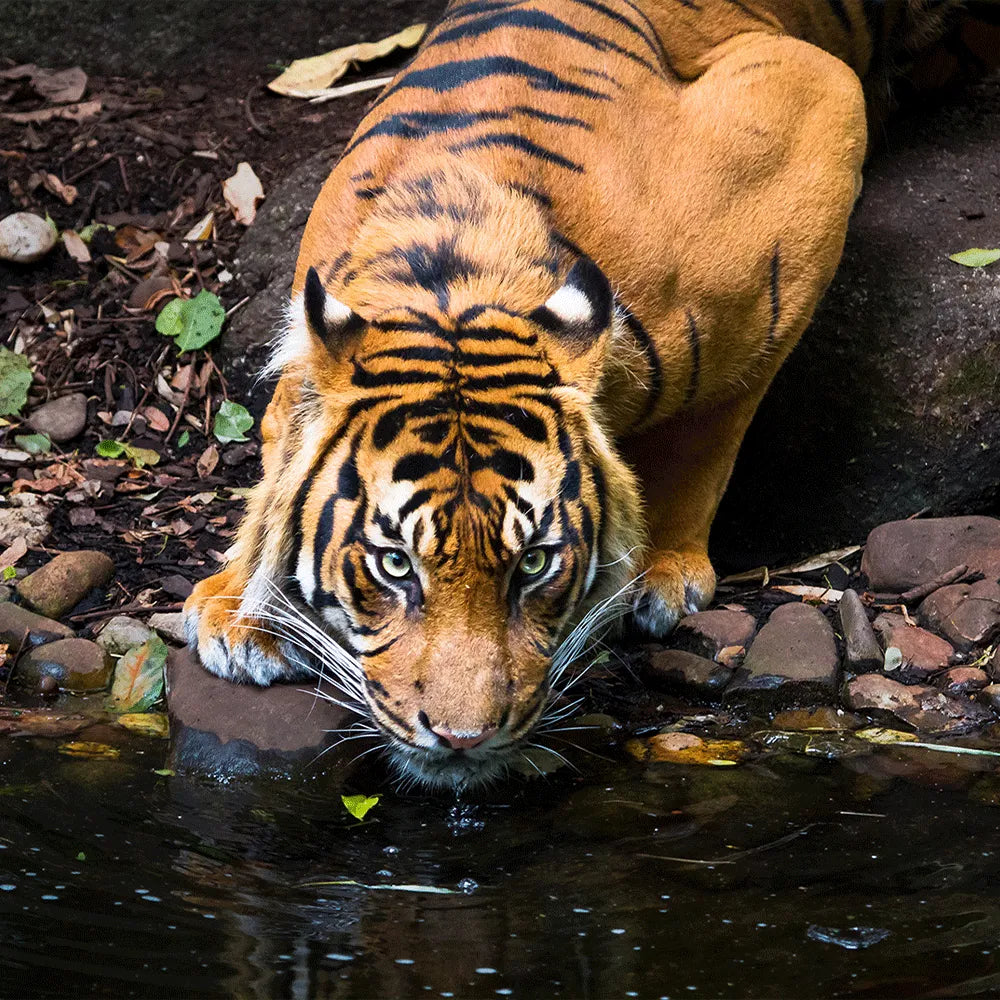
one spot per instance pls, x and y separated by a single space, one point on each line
533 562
396 563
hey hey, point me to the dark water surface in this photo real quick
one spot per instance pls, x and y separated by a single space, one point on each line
115 881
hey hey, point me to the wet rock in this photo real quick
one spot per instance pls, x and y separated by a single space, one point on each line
121 633
990 695
825 718
968 614
793 659
962 680
26 515
61 583
19 625
76 664
923 707
923 652
677 668
62 419
170 626
903 554
862 652
707 633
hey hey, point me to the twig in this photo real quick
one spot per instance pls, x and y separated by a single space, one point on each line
123 608
248 111
350 88
182 407
122 171
941 580
239 305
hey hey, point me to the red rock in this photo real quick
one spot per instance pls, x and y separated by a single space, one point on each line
923 652
923 707
968 614
677 668
903 554
707 633
962 680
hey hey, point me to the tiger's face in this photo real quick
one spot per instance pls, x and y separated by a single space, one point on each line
462 511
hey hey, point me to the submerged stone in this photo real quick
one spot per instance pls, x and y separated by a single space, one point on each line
20 626
925 708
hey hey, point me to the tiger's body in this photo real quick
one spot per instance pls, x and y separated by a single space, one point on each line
536 305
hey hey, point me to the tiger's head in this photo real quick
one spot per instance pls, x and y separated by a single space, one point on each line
460 522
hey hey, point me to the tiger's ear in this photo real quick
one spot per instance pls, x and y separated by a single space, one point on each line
577 318
327 317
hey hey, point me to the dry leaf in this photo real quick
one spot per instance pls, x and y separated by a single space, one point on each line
58 86
16 550
243 193
156 419
309 77
814 594
202 230
69 112
208 461
332 93
75 247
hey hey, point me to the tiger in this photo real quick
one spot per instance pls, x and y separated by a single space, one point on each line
537 302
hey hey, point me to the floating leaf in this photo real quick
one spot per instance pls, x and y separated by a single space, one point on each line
86 748
138 681
359 805
439 890
231 421
15 379
81 856
975 257
193 322
146 723
34 444
164 772
884 737
685 748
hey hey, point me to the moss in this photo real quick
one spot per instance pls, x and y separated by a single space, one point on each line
973 378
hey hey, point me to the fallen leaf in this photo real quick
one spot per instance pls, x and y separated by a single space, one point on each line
230 422
138 681
75 247
308 77
359 805
877 734
34 444
85 748
156 419
15 551
332 93
975 257
58 86
192 322
813 594
243 193
69 112
201 230
55 186
207 461
685 748
147 723
15 378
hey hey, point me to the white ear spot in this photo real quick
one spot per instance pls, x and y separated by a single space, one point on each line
571 306
335 313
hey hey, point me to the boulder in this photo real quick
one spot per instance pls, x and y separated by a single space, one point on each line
19 626
924 653
687 672
707 633
862 651
925 708
64 581
76 664
968 614
170 626
962 680
121 633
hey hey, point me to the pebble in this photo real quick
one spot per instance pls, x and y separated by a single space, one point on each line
121 633
170 626
25 238
707 633
921 706
76 664
862 651
923 652
25 515
62 419
677 668
793 659
962 680
63 582
19 625
904 554
969 615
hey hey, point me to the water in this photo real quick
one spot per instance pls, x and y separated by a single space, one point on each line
871 876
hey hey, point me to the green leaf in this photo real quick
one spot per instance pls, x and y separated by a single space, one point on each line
194 322
138 681
141 457
164 772
8 573
34 444
359 805
81 856
183 439
230 422
15 378
975 257
87 233
110 449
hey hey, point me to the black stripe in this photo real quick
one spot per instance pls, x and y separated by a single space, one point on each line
694 340
653 363
601 497
775 290
416 465
518 142
543 199
840 11
652 39
749 11
365 379
322 538
523 421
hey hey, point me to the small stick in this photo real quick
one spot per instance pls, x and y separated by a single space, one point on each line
941 580
122 609
248 111
182 407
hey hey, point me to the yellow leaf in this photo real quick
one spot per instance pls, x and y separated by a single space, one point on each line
308 77
85 748
685 748
200 230
146 723
876 734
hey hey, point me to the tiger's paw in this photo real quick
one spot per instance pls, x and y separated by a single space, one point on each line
233 645
676 583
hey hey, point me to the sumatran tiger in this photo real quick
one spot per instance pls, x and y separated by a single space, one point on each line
537 303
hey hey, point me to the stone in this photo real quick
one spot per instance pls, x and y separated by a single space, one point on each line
122 633
77 665
962 680
968 614
990 695
923 652
170 626
904 554
862 652
826 718
677 668
792 660
20 626
64 581
923 707
25 238
707 633
62 419
25 515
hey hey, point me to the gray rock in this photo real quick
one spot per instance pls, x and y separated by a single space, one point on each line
862 651
121 633
62 419
25 515
904 554
20 626
920 706
923 652
707 633
793 660
968 614
170 626
77 665
687 672
61 583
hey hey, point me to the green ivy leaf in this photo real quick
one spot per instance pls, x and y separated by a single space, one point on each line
139 457
15 379
359 805
230 422
975 257
138 681
110 449
182 441
193 322
34 444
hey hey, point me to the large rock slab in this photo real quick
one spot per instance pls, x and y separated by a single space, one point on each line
19 626
920 706
968 614
924 653
708 633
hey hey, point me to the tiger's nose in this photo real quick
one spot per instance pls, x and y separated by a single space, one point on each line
464 739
